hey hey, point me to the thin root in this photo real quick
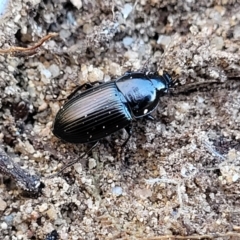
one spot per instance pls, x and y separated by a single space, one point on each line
28 50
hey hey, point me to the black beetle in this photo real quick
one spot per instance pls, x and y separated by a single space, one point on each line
102 110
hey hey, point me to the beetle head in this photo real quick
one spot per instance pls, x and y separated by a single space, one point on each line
161 82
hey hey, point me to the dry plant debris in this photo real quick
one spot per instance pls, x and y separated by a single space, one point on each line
28 50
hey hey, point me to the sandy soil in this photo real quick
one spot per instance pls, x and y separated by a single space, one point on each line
178 177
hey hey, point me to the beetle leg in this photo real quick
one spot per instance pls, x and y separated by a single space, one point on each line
74 161
129 131
85 85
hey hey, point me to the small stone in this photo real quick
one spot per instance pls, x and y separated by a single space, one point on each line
22 227
232 155
43 207
9 219
131 55
77 3
11 68
200 99
117 191
126 10
115 69
188 170
65 187
17 219
47 17
46 73
107 78
54 107
236 32
78 168
71 18
32 91
3 205
183 107
4 4
143 193
64 34
34 215
29 147
95 75
127 41
87 28
55 70
92 163
89 203
4 226
164 40
194 30
52 213
235 177
218 43
42 107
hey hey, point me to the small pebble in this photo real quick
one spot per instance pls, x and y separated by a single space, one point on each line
77 3
64 34
143 193
43 106
218 43
164 40
52 213
236 32
3 205
46 73
87 28
127 41
43 207
9 219
4 226
55 70
117 191
107 78
95 75
3 6
92 163
71 19
115 69
235 177
131 55
126 10
54 107
78 168
11 68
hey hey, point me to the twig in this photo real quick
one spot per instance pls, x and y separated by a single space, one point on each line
193 237
25 180
28 50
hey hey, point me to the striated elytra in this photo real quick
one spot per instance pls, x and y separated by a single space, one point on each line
104 109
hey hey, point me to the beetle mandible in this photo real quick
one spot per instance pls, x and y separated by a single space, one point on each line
102 110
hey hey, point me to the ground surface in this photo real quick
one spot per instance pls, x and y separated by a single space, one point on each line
178 176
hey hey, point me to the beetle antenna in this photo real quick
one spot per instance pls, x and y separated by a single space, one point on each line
72 162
